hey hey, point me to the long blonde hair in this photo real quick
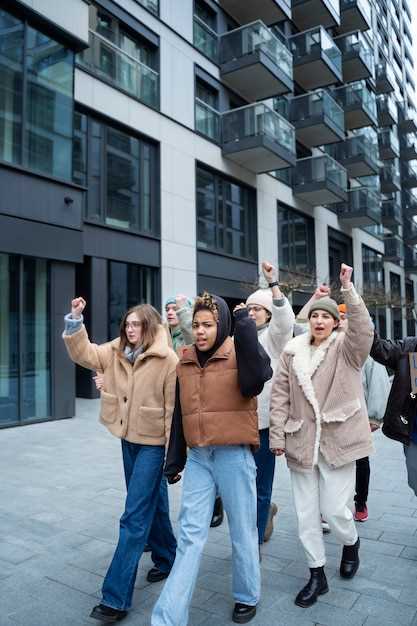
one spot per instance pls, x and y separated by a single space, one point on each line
150 320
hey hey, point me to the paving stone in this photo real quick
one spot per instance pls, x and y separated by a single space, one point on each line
386 610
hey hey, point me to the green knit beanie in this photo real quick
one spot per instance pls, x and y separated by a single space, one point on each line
325 304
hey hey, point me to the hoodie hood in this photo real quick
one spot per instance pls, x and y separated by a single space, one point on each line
224 327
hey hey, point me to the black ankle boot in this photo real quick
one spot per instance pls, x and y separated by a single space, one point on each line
316 586
350 560
218 513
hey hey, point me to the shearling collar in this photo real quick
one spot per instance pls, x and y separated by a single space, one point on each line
189 354
159 347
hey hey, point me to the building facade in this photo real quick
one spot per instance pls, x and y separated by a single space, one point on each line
150 147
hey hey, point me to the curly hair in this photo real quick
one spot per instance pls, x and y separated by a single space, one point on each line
206 302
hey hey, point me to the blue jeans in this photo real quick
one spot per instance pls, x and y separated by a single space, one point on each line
145 520
231 470
265 466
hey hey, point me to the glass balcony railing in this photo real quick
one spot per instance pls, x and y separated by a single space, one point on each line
410 259
252 38
391 213
105 59
307 14
409 174
388 142
408 146
407 117
257 120
362 202
320 169
314 105
362 145
387 109
394 248
385 77
310 42
390 176
207 120
357 95
355 45
205 39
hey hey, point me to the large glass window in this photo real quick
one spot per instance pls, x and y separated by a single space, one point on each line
396 310
410 308
25 368
207 116
373 270
226 216
126 60
205 29
121 171
296 241
37 70
129 285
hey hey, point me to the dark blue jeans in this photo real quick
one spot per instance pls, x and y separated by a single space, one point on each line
145 520
265 470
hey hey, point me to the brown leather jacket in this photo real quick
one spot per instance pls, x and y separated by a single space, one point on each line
214 411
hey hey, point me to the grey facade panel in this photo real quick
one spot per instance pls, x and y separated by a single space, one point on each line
242 275
121 246
41 199
30 238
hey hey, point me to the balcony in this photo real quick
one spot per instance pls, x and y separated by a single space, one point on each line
269 11
387 110
359 105
255 63
105 60
385 78
258 138
354 15
394 249
389 144
358 153
410 233
363 208
409 203
407 118
409 175
317 60
310 13
408 147
317 118
390 176
410 259
320 180
357 57
391 213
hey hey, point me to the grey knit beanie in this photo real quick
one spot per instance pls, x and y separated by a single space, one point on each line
325 304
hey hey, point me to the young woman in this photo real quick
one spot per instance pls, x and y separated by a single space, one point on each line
319 420
137 400
274 319
178 313
215 416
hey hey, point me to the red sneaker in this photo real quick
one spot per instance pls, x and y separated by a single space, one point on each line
361 514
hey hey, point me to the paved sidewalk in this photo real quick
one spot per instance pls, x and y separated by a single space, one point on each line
62 492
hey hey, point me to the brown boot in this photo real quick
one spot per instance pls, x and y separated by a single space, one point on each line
273 510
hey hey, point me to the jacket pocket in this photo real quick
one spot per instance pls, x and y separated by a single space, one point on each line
343 412
109 407
292 426
151 422
293 439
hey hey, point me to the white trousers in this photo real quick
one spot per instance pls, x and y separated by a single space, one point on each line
328 492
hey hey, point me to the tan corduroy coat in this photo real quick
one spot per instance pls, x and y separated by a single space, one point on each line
317 400
137 400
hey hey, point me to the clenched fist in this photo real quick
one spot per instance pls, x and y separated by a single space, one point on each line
269 271
345 275
77 307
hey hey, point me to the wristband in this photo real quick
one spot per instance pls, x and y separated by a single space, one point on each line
274 284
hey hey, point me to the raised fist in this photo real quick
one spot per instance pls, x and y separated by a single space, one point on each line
77 307
345 275
269 271
322 291
180 301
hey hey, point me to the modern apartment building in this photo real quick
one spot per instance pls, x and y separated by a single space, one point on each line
149 147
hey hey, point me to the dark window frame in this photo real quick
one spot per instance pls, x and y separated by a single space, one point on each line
220 204
311 242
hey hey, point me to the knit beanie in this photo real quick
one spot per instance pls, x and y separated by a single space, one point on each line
342 308
262 297
325 304
172 300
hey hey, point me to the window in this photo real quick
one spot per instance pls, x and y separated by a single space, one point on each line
151 5
129 285
396 310
128 61
226 216
207 117
205 30
373 270
38 71
25 370
122 173
296 241
411 309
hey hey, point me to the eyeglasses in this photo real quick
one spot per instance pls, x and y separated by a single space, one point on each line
133 324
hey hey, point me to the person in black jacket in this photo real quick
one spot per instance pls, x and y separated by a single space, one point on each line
215 418
400 421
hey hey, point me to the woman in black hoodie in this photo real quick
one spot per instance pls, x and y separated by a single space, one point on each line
215 415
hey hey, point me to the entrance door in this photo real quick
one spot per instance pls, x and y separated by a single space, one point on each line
340 251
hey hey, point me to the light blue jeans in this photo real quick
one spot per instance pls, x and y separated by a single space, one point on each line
231 471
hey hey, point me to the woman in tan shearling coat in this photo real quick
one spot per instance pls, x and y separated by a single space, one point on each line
319 421
137 401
